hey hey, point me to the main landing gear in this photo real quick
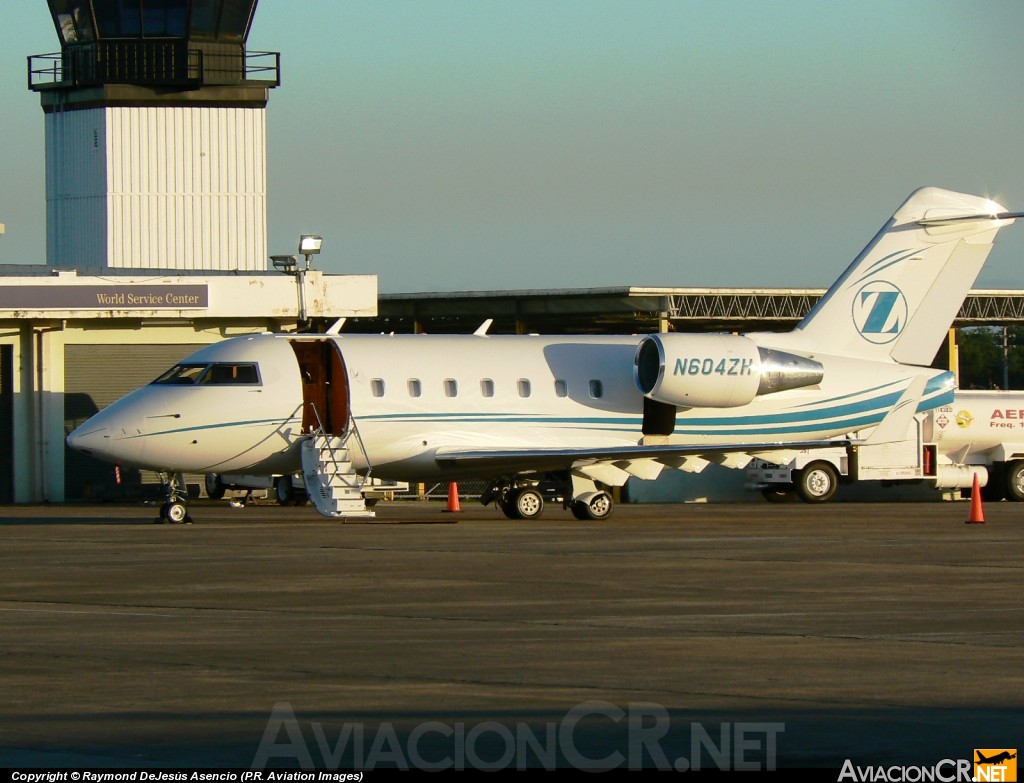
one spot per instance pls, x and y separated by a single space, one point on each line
174 509
526 499
593 505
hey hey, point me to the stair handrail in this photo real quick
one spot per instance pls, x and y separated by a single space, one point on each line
350 430
353 429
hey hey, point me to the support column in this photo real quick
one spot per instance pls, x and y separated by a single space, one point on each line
954 356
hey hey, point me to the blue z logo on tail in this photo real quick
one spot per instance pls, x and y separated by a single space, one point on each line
879 312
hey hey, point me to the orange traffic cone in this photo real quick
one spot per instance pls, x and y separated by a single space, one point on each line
977 515
453 499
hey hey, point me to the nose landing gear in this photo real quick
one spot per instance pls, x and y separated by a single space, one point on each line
174 509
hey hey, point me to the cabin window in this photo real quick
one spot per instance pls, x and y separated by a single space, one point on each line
561 388
415 387
451 387
524 387
377 387
487 387
596 389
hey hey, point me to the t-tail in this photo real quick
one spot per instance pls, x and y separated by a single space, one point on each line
897 300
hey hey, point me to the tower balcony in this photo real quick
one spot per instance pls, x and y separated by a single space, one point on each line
172 64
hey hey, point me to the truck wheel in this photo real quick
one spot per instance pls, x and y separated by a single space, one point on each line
1015 480
528 503
817 483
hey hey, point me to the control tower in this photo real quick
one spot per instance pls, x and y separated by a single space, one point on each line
155 136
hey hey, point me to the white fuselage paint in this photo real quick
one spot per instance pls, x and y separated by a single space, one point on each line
257 429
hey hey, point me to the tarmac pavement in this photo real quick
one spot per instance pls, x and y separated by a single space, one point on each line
667 636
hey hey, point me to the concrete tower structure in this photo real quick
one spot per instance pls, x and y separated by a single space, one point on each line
155 136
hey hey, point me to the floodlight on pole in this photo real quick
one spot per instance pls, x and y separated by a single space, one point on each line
285 264
309 245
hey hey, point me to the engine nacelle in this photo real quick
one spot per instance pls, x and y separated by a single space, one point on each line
716 370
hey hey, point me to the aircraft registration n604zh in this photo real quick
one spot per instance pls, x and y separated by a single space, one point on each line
589 411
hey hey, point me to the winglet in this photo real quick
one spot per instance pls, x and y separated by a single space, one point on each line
897 421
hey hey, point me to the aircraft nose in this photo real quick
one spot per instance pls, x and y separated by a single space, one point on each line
89 438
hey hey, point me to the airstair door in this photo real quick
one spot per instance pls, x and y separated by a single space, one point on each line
325 398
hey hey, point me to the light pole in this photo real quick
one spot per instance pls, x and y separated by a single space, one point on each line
309 245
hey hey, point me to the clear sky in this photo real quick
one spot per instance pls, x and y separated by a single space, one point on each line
482 144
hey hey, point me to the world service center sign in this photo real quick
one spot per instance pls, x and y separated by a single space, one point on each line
153 296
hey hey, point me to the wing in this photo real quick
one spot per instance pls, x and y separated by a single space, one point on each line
643 461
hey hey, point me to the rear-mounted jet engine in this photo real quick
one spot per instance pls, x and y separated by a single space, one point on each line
716 370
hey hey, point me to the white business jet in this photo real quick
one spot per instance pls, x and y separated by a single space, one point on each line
587 411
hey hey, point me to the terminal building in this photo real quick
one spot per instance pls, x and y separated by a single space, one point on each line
156 239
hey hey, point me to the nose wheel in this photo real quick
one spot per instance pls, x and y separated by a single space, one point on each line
174 509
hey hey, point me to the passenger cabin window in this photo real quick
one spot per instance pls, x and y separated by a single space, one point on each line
377 387
451 387
415 387
487 387
596 389
561 388
217 374
524 387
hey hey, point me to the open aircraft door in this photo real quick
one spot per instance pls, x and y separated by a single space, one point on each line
325 397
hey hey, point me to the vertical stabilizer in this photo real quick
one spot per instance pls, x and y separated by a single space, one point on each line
899 297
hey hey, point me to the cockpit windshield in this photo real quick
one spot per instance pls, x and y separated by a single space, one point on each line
216 374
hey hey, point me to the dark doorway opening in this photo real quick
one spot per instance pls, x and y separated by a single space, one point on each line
324 385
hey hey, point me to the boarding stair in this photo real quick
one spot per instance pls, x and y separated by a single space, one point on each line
332 484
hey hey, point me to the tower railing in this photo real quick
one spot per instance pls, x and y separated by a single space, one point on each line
156 63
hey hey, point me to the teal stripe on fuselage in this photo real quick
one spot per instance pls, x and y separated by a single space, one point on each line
839 417
847 396
219 425
882 402
843 425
